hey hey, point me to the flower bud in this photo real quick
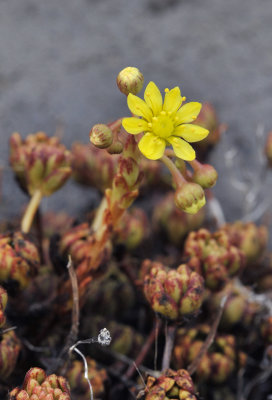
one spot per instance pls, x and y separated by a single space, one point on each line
132 229
205 175
173 293
116 147
130 80
171 384
101 136
38 386
190 198
268 148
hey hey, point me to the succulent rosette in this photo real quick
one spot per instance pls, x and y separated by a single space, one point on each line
38 386
248 237
173 293
79 385
170 385
19 259
217 364
10 347
214 257
39 162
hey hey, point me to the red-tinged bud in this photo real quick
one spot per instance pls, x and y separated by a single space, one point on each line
190 197
173 293
170 385
130 80
268 148
205 175
101 136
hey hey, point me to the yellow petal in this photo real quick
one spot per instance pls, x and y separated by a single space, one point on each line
134 125
172 100
188 112
152 146
181 148
153 98
138 106
190 132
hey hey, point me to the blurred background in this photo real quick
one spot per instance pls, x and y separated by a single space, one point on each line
60 58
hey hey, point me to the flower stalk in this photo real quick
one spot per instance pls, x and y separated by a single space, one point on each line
31 210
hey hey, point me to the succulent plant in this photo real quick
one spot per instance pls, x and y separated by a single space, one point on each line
39 162
10 347
173 293
170 385
217 363
38 386
19 259
174 222
79 385
213 256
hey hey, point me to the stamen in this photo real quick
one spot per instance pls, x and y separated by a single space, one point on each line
149 124
155 118
183 98
163 113
166 90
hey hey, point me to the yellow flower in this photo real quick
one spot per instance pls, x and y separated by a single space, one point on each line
164 123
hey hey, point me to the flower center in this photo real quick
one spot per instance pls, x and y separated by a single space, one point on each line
162 125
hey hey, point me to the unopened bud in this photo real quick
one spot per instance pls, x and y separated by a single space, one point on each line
268 148
115 148
101 136
205 175
130 80
190 197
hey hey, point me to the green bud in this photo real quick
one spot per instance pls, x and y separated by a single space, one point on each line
190 197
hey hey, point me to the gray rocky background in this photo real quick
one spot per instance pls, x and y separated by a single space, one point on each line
59 60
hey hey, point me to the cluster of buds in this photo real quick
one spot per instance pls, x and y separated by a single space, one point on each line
207 118
38 386
249 238
266 330
173 293
170 385
78 383
125 339
239 309
111 294
41 165
19 259
175 223
213 256
10 347
3 303
216 364
39 162
93 167
132 229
